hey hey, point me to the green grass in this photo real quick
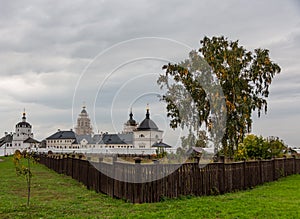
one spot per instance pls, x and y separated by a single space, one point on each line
59 196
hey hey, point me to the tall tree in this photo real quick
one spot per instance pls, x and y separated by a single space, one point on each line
244 77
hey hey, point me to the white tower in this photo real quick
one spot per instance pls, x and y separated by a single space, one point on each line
84 126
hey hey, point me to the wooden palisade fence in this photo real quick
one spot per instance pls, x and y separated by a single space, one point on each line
188 179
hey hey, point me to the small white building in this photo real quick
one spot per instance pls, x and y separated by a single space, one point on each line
147 133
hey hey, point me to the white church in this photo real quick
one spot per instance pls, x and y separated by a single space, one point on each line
21 139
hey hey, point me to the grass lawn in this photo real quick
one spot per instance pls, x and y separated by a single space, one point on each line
59 196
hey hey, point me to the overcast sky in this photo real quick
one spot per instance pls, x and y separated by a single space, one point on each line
55 55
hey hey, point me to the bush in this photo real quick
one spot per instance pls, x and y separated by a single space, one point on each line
254 147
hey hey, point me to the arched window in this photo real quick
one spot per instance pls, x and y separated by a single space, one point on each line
142 136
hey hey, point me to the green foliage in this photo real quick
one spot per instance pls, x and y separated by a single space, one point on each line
160 153
21 169
192 140
24 168
254 147
244 76
277 147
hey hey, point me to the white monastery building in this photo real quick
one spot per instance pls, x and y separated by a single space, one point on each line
135 138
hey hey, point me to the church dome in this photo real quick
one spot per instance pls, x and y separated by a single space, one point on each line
147 123
131 121
83 111
23 124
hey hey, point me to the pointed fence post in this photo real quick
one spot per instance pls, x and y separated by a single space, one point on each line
245 174
294 163
138 177
274 168
260 171
284 166
222 177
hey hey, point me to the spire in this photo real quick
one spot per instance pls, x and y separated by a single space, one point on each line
131 123
147 123
131 114
147 113
83 109
24 116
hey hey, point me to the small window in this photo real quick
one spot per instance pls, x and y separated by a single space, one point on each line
142 136
141 145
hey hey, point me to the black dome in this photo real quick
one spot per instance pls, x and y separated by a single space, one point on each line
131 121
83 111
147 123
23 124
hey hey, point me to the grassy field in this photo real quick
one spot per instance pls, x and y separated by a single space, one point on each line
59 196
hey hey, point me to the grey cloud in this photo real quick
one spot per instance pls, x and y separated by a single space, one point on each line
45 45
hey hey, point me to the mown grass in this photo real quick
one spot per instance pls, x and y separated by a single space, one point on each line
59 196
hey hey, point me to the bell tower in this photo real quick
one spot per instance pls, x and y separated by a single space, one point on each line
84 126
